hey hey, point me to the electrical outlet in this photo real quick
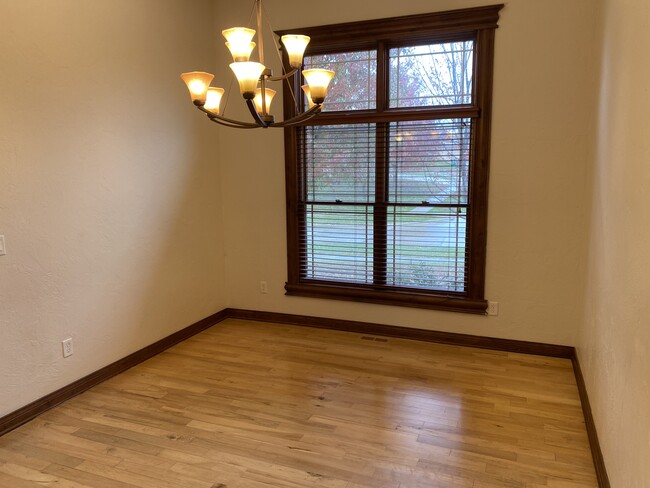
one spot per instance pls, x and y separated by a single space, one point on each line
493 308
3 249
263 287
67 347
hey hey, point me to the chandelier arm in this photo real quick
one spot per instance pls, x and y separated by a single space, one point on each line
312 112
256 116
284 76
225 120
238 126
293 122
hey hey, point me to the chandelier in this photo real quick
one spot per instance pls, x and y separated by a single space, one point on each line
253 78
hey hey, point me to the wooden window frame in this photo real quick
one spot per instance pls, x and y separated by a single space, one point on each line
476 24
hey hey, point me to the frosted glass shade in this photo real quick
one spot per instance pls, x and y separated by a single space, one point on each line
295 46
244 52
197 83
248 74
318 81
213 100
305 88
258 100
239 42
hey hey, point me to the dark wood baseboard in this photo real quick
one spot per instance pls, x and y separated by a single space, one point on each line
594 444
508 345
34 409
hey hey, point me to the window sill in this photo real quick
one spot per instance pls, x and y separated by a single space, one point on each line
396 298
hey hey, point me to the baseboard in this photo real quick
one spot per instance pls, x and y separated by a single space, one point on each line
594 444
36 408
508 345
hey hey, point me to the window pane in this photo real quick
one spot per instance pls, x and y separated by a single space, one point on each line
426 248
338 162
434 74
429 161
354 86
337 243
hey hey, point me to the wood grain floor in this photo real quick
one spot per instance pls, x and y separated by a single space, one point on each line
256 405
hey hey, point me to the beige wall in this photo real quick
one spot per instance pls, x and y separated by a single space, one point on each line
109 192
614 344
541 151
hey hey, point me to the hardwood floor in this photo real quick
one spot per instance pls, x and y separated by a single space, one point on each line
257 405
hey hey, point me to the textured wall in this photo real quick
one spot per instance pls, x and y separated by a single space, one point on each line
541 151
614 345
109 191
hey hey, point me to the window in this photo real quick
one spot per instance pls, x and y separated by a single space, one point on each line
387 188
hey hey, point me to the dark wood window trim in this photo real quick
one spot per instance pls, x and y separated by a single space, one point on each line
476 24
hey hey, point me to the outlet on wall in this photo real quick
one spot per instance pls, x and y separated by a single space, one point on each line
263 287
3 249
493 308
67 347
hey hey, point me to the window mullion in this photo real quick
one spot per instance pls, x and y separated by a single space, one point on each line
382 77
380 224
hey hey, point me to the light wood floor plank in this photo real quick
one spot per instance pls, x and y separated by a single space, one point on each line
256 405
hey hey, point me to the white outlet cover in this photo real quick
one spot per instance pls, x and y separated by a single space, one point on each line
3 249
67 347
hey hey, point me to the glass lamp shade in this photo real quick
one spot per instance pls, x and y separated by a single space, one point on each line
295 45
267 98
305 88
318 81
248 74
239 42
244 52
197 83
213 99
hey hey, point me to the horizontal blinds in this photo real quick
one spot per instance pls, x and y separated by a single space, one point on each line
337 243
429 161
385 205
426 248
338 163
337 167
426 225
